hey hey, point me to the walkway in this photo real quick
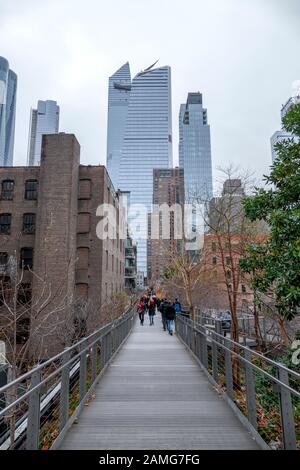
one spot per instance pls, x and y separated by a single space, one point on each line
154 396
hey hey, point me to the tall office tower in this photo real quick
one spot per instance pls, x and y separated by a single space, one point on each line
195 149
281 135
168 191
8 95
119 87
147 145
43 120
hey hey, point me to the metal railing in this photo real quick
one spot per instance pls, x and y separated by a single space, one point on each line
265 392
268 330
38 407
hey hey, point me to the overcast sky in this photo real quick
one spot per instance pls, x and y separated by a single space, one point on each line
243 55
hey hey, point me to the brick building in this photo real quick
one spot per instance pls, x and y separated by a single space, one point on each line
48 224
168 188
220 271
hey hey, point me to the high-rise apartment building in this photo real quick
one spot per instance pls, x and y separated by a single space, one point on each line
283 134
119 87
43 120
168 190
147 144
8 95
195 149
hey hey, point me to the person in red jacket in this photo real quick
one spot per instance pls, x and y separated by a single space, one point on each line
141 307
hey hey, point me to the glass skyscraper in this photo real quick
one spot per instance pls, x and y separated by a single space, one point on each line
147 144
8 95
43 120
195 149
119 87
283 134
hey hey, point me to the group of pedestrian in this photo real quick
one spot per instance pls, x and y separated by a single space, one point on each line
148 303
168 312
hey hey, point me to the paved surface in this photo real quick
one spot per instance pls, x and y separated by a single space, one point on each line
154 396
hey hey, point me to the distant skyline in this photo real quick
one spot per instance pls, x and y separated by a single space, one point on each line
118 99
195 149
8 95
44 119
147 145
241 55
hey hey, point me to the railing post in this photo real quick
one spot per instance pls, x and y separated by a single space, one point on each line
33 424
94 362
218 329
101 354
244 326
64 390
264 330
286 413
204 349
250 391
214 357
228 370
82 372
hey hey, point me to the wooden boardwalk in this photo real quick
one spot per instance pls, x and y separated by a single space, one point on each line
154 396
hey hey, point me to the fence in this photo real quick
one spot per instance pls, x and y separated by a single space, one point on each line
259 389
267 328
39 406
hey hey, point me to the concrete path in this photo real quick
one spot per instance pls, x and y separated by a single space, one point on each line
154 396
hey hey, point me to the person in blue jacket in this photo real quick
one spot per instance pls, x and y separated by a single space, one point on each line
177 306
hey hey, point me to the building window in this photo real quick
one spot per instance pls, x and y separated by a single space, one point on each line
31 187
82 258
228 274
84 189
7 190
26 258
213 247
214 261
3 260
83 222
22 330
24 293
5 222
244 289
82 290
28 223
228 261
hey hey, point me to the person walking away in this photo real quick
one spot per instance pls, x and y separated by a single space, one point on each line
170 317
141 310
157 303
146 301
177 306
151 310
162 308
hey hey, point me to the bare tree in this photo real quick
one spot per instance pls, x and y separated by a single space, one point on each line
228 234
26 322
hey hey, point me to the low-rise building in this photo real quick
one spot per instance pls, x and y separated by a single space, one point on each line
48 222
130 263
